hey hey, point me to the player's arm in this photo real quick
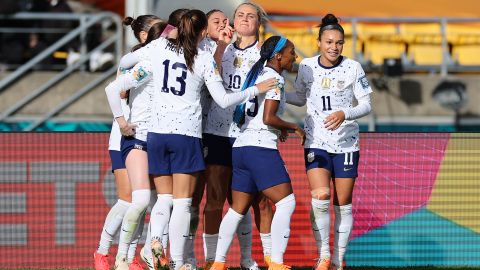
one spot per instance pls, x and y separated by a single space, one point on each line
224 99
298 97
134 78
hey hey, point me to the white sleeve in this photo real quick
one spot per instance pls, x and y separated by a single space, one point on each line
363 108
299 98
292 98
128 60
134 78
225 99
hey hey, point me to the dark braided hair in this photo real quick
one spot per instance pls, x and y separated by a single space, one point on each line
272 45
329 22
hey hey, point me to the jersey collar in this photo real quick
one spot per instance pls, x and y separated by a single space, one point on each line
334 66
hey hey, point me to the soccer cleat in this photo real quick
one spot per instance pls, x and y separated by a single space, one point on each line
192 262
218 266
322 264
101 261
249 265
135 265
121 264
148 259
336 267
159 258
278 266
208 265
267 259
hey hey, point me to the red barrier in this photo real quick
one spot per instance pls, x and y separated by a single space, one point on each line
56 191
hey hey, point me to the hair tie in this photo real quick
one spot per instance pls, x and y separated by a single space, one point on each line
167 30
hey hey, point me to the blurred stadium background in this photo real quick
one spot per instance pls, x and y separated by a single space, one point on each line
417 198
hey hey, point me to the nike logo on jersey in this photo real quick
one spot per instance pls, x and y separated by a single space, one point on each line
246 233
286 236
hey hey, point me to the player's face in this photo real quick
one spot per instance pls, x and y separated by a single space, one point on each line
216 23
246 21
331 46
288 56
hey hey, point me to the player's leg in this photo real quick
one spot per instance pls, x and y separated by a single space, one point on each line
263 213
319 166
114 218
189 252
228 227
218 180
136 162
346 171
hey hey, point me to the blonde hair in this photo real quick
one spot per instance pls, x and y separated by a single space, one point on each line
261 14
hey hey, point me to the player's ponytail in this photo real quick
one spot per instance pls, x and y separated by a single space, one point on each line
270 47
190 28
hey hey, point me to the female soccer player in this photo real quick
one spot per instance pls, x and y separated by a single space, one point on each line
175 155
113 221
216 23
235 60
257 164
327 84
134 145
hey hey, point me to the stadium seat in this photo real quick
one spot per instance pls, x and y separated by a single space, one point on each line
467 54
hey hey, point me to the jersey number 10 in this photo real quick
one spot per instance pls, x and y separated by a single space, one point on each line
180 79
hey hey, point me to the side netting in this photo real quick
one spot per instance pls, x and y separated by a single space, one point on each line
416 201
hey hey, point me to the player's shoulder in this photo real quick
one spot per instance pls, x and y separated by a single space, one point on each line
309 61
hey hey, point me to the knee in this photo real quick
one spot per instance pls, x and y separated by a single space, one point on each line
321 193
141 198
213 205
264 205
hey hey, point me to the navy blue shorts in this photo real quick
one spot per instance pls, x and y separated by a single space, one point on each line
174 153
129 143
117 160
257 168
218 150
341 165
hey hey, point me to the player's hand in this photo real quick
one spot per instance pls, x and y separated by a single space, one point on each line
300 133
284 135
334 120
226 34
128 129
266 85
124 94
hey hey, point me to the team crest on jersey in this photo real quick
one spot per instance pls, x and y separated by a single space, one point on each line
139 74
364 82
340 84
237 62
326 83
310 157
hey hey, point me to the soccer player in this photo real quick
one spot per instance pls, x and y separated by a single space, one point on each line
257 164
327 83
175 155
134 145
216 23
235 59
113 221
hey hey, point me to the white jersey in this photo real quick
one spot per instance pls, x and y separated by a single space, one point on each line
254 132
236 63
176 102
139 80
208 45
115 134
330 89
